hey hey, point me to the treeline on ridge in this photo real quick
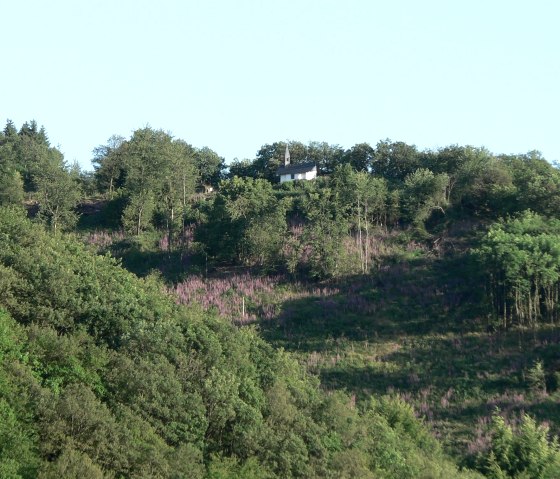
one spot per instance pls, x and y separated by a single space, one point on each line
317 229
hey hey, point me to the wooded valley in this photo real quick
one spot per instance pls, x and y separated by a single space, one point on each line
166 315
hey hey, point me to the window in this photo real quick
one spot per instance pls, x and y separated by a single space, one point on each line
292 176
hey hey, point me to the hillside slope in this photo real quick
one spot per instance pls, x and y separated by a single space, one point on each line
102 375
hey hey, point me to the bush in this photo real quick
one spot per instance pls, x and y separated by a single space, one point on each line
536 378
523 452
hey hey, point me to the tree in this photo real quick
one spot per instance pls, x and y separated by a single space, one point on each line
265 235
16 447
536 182
522 258
154 172
483 184
106 376
326 157
18 458
523 452
246 223
242 169
422 193
8 146
26 152
30 129
394 160
210 166
108 163
138 213
31 157
364 199
324 234
58 193
11 185
360 156
536 378
148 163
179 180
10 130
72 464
450 160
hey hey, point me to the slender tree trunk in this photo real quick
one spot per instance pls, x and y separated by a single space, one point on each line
55 219
505 313
170 230
139 223
360 236
366 221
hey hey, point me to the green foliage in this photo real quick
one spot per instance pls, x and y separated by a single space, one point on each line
28 163
109 166
242 169
231 468
137 216
522 258
536 378
11 185
58 194
104 376
154 173
270 156
72 464
525 452
26 152
422 193
394 161
77 417
391 185
60 360
325 233
360 157
18 457
209 165
537 183
484 184
246 223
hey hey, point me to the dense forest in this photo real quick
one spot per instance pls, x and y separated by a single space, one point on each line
167 315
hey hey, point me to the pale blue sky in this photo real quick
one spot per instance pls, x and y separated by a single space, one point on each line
234 75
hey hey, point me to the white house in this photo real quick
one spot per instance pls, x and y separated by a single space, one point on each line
298 171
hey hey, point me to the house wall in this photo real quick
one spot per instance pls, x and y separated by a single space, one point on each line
309 175
284 178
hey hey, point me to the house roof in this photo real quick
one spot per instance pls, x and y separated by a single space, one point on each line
296 168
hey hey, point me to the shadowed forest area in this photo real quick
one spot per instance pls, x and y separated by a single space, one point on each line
169 316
